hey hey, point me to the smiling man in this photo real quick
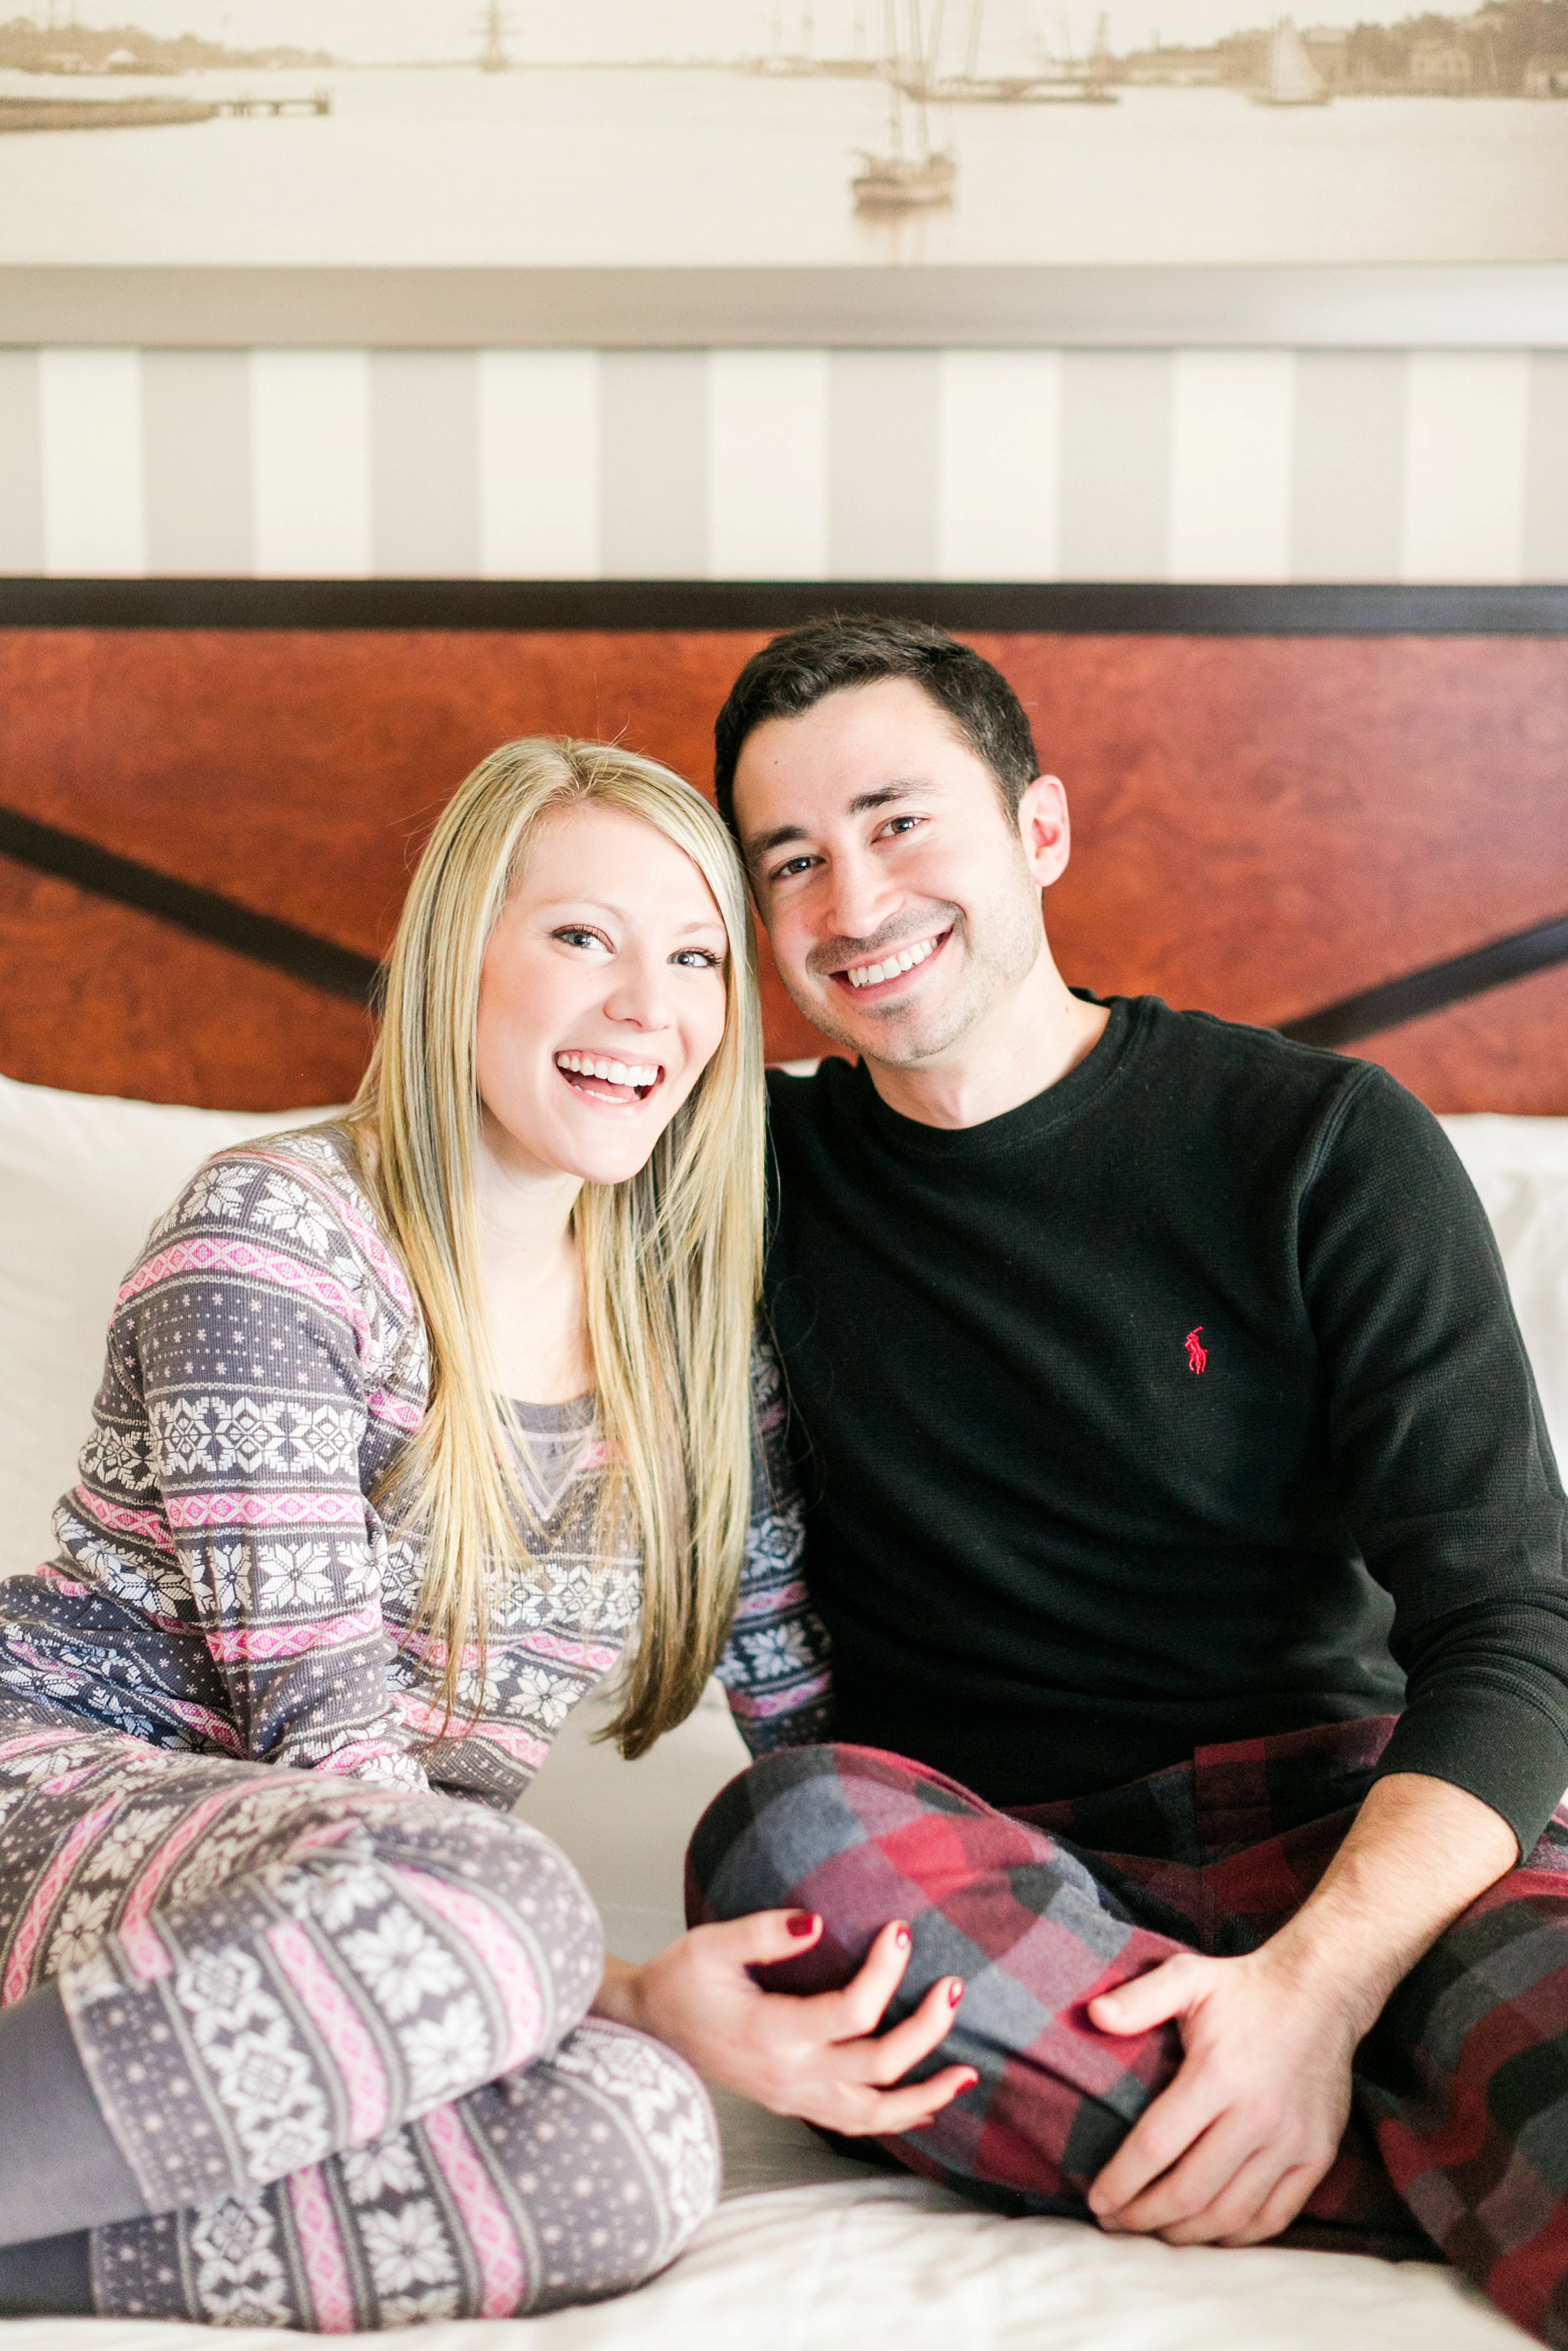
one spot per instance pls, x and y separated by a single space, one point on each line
1184 1527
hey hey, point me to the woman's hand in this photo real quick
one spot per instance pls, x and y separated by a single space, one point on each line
809 2054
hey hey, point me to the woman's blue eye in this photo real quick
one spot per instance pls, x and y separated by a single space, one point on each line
575 936
698 959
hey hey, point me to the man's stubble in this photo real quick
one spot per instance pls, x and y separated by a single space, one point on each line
903 1038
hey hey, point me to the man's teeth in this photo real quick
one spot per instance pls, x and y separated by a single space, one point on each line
614 1073
869 975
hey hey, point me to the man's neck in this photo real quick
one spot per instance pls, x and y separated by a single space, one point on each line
1024 1042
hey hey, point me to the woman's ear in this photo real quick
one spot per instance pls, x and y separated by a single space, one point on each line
1045 830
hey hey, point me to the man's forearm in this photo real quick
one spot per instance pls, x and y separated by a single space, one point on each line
1419 1851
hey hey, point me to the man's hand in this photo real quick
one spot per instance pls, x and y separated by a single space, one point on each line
1229 2152
812 2055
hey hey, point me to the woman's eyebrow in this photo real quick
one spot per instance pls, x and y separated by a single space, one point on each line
553 908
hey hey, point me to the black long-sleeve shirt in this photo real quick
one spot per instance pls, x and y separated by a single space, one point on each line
1181 1404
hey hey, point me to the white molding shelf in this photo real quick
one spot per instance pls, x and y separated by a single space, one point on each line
1359 307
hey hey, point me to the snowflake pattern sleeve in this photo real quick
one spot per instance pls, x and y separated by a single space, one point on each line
775 1668
226 1582
246 1405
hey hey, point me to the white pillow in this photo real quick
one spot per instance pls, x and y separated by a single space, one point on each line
1520 1168
83 1177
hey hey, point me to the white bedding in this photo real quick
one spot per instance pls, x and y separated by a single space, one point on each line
809 2253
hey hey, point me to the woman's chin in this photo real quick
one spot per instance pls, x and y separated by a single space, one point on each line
606 1158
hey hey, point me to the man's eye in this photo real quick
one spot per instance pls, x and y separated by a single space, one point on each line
901 824
790 867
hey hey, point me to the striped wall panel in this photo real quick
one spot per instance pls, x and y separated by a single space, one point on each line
776 464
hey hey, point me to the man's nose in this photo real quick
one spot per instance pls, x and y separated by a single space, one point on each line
860 899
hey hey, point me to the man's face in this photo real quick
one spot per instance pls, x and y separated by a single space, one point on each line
899 896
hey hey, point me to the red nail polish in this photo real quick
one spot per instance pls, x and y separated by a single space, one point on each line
801 1922
954 1993
902 1938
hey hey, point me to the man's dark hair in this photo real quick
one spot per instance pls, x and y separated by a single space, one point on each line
796 671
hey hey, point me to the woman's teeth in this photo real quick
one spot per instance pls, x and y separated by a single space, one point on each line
613 1073
870 974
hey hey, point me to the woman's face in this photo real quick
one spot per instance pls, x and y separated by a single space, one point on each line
602 998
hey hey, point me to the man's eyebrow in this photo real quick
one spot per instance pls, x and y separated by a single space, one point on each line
764 843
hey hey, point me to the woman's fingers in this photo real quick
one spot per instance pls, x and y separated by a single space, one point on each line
858 2009
887 2114
759 1938
890 2056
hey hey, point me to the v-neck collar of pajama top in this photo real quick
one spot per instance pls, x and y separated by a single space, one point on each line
225 1580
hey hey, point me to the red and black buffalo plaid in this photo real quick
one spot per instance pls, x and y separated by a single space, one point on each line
1458 2144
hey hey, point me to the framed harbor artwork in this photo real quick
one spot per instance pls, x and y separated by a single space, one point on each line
786 171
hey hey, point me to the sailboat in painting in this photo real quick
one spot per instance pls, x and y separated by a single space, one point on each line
913 174
1293 79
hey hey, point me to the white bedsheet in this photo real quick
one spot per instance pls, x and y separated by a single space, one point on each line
896 2263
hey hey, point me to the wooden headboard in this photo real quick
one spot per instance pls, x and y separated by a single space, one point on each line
1265 824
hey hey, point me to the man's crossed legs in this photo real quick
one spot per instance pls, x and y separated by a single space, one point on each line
1459 2135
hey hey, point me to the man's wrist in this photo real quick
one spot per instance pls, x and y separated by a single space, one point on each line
1312 1965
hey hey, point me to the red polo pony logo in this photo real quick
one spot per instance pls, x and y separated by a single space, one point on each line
1197 1352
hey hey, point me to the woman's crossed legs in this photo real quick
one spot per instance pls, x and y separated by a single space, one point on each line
338 2037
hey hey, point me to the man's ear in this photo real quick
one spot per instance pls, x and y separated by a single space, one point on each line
1045 830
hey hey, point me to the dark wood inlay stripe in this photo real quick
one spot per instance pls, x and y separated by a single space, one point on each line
343 971
1395 1001
320 963
1094 608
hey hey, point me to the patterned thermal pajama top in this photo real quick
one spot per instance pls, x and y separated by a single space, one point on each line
224 1583
335 2024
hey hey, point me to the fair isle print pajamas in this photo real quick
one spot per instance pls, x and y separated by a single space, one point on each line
330 1996
339 2033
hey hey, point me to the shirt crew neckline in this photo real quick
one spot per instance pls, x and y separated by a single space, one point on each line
1013 1129
555 1419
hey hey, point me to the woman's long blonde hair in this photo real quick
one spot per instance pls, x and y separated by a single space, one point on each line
671 1259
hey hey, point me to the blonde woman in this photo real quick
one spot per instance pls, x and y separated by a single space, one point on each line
409 1429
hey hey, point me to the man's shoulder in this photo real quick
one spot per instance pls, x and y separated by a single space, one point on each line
1279 1103
1238 1047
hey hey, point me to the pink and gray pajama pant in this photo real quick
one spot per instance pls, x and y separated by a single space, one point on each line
339 2035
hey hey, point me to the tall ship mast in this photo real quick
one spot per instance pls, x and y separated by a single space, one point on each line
912 174
493 57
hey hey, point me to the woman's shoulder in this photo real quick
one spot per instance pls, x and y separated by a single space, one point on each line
302 1192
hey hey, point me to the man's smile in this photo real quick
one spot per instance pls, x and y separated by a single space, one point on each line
894 965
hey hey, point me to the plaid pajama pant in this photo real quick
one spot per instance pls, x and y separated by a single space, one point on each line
1458 2144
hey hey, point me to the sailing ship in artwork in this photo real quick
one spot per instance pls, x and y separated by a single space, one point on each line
913 172
1293 79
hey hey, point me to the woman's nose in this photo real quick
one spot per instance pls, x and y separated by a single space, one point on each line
640 996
